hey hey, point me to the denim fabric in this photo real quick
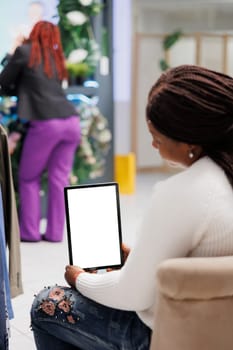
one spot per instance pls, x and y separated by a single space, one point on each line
4 261
5 297
64 319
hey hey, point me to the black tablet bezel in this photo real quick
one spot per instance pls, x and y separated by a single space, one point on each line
69 239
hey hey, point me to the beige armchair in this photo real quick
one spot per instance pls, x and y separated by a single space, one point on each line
194 309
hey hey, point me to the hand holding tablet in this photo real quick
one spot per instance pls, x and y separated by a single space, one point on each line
94 226
71 273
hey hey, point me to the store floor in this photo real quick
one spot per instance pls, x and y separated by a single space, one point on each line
43 263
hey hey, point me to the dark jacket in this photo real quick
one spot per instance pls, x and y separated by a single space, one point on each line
39 97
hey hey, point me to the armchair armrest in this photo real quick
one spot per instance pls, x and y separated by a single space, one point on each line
194 306
196 278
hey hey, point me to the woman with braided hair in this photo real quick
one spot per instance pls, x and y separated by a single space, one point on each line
189 115
34 72
195 106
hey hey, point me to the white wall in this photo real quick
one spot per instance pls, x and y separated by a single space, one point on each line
13 14
15 19
122 41
164 17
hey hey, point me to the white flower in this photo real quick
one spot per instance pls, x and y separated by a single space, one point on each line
90 160
78 55
105 136
85 2
95 111
96 173
76 18
73 179
100 125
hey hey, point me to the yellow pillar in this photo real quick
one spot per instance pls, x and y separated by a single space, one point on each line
125 172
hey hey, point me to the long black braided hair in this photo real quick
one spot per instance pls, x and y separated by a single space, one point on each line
193 104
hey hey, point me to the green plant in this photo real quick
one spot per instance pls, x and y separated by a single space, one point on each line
80 46
171 39
78 69
168 42
163 64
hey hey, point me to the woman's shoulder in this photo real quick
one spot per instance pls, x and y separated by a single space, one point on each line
24 49
21 54
208 173
202 178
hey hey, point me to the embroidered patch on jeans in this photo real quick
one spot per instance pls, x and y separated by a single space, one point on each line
56 294
58 305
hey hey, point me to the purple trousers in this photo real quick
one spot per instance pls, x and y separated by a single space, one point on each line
49 145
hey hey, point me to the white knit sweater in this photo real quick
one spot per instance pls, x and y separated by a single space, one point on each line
190 214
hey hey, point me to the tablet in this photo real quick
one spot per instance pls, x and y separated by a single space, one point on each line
94 225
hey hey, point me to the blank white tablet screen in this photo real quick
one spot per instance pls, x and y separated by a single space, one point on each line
94 227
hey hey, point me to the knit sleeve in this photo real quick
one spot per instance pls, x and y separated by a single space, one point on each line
166 232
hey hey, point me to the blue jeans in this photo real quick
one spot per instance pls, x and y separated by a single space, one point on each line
64 319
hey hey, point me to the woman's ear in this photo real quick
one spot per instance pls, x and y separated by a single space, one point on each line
194 152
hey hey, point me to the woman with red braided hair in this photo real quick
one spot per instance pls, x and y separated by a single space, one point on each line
189 115
35 72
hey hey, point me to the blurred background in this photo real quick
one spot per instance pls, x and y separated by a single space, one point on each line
121 48
115 50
